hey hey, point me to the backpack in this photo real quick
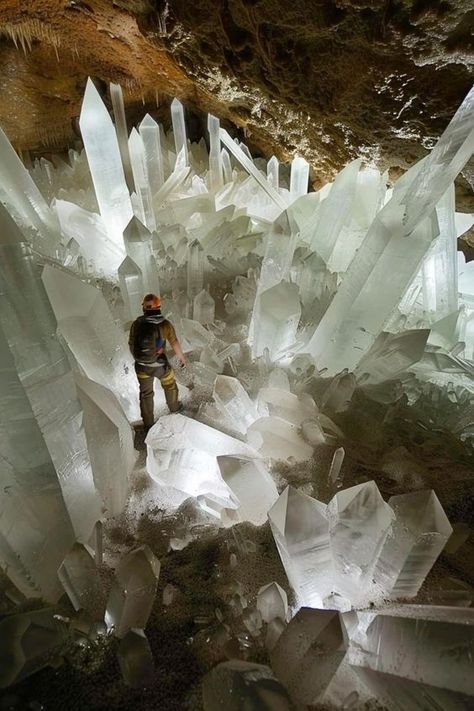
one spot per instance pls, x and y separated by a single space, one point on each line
147 339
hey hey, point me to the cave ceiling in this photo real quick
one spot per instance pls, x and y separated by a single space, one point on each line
329 79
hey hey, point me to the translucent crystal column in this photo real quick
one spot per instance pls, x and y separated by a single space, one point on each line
439 269
118 107
308 653
150 134
28 323
105 163
420 532
140 177
359 523
110 442
335 211
139 247
234 402
133 591
204 307
215 157
299 177
195 269
273 169
81 581
132 288
179 130
135 659
300 528
276 319
279 248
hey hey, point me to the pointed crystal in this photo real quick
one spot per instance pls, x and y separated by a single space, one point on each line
252 485
420 532
300 528
133 591
105 163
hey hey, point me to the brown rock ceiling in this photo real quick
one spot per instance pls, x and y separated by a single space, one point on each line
329 79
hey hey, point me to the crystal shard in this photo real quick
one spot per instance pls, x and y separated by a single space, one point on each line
135 659
419 534
243 686
272 602
252 485
179 130
299 177
416 657
22 194
359 523
276 322
80 579
133 591
204 307
131 287
121 130
279 440
308 653
138 245
150 134
215 157
233 400
30 641
182 452
300 528
140 178
103 156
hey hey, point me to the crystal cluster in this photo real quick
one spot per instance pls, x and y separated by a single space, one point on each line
289 306
358 549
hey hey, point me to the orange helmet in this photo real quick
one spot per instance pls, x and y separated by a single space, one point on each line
151 302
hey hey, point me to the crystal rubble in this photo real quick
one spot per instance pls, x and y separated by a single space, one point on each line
237 686
135 659
357 549
133 591
414 657
80 579
30 641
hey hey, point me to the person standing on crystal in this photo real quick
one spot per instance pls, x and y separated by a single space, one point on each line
147 342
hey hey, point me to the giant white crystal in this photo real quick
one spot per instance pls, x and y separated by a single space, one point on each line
103 156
